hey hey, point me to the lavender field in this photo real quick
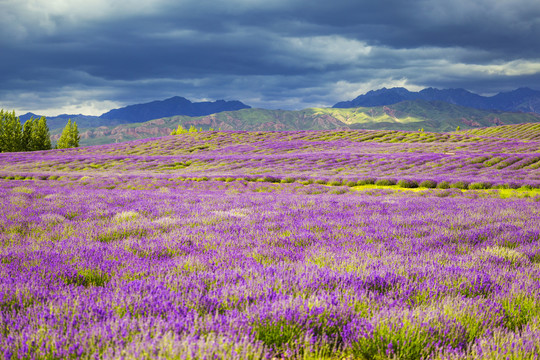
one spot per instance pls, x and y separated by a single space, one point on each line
279 245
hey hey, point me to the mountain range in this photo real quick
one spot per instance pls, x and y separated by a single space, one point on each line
412 115
390 109
519 100
143 112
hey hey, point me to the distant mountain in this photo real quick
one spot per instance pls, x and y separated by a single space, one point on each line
411 115
170 107
143 112
522 99
58 122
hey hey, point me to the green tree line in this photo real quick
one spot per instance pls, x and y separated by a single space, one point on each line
33 135
192 129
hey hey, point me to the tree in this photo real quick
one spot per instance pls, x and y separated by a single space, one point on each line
458 128
69 137
40 135
179 130
11 132
75 137
26 140
1 130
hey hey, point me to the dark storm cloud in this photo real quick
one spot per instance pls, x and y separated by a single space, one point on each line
69 55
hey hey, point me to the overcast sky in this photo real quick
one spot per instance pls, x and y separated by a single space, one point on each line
88 56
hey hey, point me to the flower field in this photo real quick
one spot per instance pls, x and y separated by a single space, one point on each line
282 245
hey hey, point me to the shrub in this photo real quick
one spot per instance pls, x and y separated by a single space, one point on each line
430 184
351 183
322 182
460 185
270 179
408 184
443 185
368 181
385 182
479 186
288 180
335 183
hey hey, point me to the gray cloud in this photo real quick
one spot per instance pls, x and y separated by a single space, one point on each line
72 55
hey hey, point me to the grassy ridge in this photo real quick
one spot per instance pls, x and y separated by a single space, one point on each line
529 131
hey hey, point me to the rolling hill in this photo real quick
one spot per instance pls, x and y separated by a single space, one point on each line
407 115
528 131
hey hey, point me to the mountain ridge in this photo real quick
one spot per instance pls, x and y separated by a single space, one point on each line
136 113
519 100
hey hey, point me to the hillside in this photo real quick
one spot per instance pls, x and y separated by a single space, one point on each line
530 131
408 115
330 154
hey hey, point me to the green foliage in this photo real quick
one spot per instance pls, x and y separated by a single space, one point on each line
10 132
26 139
443 185
14 137
288 180
192 129
479 186
69 137
41 139
409 184
430 184
179 130
385 182
460 185
368 181
335 183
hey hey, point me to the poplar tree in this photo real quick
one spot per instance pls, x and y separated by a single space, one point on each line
26 141
41 139
1 130
11 132
74 135
69 137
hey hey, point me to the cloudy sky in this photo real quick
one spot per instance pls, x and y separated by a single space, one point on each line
88 56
